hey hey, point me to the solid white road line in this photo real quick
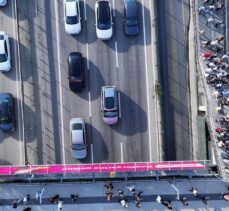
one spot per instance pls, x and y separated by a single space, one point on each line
147 81
19 83
119 101
87 53
121 152
85 10
113 7
116 53
92 155
60 82
89 103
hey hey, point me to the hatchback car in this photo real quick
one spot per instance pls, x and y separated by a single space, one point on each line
75 71
5 58
78 138
103 20
131 17
7 114
109 104
3 3
72 16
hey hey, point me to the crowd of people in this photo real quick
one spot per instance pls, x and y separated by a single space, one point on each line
217 72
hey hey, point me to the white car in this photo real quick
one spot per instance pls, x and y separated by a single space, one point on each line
5 58
72 16
3 3
103 20
78 138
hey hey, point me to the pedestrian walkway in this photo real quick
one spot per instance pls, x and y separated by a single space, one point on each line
92 196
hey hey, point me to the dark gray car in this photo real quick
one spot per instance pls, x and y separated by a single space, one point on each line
131 22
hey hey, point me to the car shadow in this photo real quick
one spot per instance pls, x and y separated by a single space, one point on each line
133 117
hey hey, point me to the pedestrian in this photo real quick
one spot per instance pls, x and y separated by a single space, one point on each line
60 205
27 209
201 32
225 58
218 22
131 189
121 193
184 201
123 203
206 43
206 55
167 204
15 204
221 38
109 196
226 170
137 204
74 197
203 10
211 7
109 186
219 7
205 200
158 199
26 199
205 2
54 199
194 191
210 20
225 196
138 196
219 48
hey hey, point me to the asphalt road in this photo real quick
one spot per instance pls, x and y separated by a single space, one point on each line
173 26
12 145
49 104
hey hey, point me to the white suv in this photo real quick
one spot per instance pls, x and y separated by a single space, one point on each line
72 16
5 58
103 20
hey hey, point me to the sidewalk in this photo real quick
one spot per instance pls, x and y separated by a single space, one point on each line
92 196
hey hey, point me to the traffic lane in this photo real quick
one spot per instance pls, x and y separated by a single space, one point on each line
179 76
74 104
132 84
12 144
102 55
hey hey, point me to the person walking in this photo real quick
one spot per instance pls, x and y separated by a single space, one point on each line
109 186
60 205
109 196
15 204
54 199
131 189
74 197
218 22
26 199
184 201
210 20
194 191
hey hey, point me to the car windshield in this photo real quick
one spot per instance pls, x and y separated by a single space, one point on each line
131 21
110 113
77 126
109 102
4 112
3 57
72 20
78 146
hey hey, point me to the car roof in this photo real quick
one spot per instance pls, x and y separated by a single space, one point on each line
77 137
4 104
103 10
71 8
74 60
131 9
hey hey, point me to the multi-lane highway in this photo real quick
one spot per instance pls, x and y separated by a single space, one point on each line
125 62
12 145
45 104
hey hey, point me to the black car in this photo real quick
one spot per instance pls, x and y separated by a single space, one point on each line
7 114
131 22
75 71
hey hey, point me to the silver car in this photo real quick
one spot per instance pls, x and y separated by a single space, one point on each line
109 104
78 138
